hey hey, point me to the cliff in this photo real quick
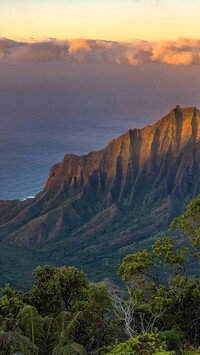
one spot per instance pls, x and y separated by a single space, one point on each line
108 199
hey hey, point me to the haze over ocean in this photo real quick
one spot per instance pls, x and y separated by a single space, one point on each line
48 109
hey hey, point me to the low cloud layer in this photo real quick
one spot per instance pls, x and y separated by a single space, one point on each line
184 51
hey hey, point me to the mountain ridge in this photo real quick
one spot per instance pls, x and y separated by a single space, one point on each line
106 200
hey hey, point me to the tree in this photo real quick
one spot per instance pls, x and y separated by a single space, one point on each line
189 223
64 328
34 335
155 272
94 328
160 281
136 318
26 335
66 290
56 289
11 302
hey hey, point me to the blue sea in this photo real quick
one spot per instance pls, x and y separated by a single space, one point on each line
50 109
28 150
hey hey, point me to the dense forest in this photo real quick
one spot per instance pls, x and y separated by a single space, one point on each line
156 312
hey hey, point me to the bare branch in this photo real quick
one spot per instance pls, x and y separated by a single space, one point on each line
134 323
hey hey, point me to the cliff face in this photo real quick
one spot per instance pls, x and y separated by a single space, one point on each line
148 154
131 188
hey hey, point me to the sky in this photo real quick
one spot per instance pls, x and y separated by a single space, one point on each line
121 20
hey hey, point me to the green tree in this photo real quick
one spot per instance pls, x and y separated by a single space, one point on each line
156 272
10 302
56 289
189 224
34 335
94 328
64 329
160 281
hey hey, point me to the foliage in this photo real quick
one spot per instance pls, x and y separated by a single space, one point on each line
62 296
34 335
175 300
144 344
31 325
160 280
193 352
10 303
154 276
174 339
158 313
189 223
155 270
94 328
56 289
137 318
64 329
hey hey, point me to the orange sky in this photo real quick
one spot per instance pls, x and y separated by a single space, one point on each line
105 19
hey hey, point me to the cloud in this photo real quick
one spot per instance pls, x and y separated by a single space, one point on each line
32 50
184 51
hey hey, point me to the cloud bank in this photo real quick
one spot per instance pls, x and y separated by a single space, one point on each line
183 51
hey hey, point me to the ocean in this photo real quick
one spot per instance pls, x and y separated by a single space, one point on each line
48 110
28 151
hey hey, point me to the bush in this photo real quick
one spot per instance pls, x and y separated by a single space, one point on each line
174 339
145 344
193 352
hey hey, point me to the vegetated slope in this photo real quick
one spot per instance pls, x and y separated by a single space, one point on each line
94 206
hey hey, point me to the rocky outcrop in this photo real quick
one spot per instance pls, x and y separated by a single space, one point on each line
134 186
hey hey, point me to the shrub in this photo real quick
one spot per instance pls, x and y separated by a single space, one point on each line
174 339
144 344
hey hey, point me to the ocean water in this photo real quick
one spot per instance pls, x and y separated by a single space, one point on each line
50 109
28 152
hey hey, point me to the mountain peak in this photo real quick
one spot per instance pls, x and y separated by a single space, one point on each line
112 197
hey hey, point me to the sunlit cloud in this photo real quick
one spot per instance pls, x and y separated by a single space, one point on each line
183 51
